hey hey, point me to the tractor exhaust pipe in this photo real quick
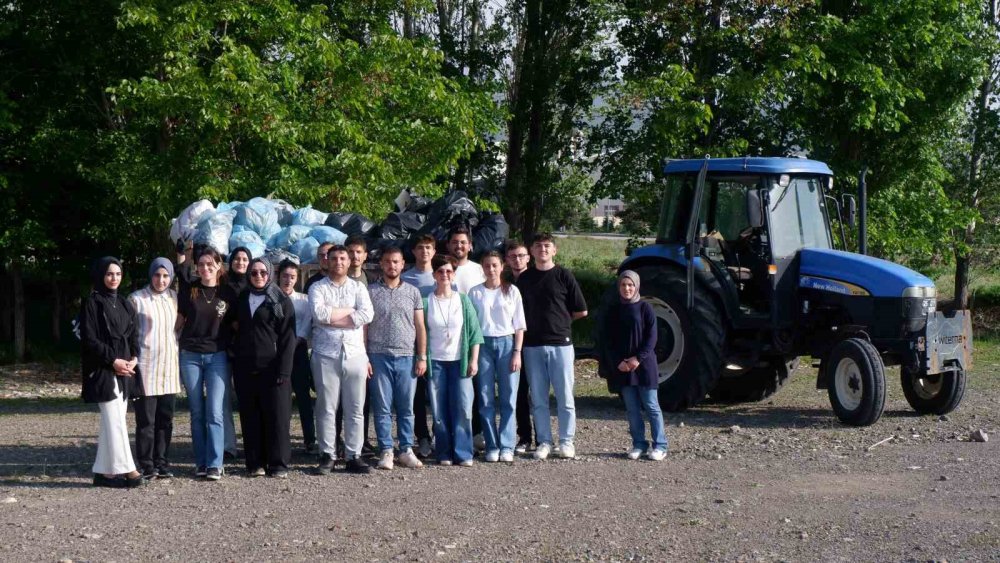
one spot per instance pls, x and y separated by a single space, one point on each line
863 212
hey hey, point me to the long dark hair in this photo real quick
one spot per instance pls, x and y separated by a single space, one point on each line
505 281
220 278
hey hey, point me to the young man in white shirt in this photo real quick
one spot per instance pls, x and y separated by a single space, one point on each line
302 381
341 308
468 274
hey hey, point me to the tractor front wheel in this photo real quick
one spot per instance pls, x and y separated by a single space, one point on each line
855 377
939 393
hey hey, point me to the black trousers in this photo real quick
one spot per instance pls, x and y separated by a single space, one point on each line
265 417
477 424
154 427
302 383
522 412
420 429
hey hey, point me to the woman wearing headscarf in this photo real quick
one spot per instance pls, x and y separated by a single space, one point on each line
109 336
264 353
236 279
205 315
156 310
631 333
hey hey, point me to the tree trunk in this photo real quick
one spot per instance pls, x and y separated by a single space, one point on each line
56 311
6 307
19 318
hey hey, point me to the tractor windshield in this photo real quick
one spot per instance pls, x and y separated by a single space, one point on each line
798 217
674 211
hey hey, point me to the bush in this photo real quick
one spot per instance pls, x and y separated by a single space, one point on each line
987 296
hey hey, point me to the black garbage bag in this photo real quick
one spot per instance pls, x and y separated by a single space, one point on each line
452 210
377 245
350 223
419 204
399 226
490 234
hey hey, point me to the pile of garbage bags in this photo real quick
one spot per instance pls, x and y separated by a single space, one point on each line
276 229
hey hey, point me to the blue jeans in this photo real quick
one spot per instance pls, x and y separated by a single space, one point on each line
204 377
451 401
551 366
638 399
494 370
392 385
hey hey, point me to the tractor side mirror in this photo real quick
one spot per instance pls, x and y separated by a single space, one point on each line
851 205
755 212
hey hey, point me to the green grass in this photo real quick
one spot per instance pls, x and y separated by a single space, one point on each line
594 263
984 283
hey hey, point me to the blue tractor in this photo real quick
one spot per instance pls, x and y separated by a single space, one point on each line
766 285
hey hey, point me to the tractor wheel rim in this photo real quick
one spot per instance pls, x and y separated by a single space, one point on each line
848 384
671 358
928 386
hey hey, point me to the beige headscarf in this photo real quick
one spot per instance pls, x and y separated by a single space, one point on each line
635 280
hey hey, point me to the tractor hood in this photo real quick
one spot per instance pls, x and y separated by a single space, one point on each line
878 277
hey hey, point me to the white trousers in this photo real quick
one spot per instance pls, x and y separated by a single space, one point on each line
340 383
114 454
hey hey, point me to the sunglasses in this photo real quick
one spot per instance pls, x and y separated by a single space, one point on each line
259 273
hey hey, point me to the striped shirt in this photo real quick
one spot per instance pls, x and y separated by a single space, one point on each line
158 350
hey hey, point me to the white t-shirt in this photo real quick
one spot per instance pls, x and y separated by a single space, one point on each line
499 314
468 276
444 327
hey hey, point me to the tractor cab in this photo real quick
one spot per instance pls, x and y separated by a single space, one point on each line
744 278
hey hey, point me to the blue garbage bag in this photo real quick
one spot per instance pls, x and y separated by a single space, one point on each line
305 249
249 240
229 206
215 229
260 218
323 234
288 236
308 216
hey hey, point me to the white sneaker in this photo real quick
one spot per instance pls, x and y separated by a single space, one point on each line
521 448
466 463
479 442
567 451
445 462
657 454
385 460
542 451
408 459
634 453
493 456
507 456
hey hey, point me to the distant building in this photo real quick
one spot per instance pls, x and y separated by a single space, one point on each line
607 209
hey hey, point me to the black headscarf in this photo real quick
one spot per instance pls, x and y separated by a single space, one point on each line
97 271
271 291
236 280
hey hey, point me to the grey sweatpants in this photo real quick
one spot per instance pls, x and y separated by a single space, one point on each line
340 383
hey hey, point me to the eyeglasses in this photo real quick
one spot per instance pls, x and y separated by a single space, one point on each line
258 273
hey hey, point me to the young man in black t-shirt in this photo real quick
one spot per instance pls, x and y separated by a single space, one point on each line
552 301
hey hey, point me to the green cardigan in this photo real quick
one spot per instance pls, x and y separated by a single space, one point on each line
471 333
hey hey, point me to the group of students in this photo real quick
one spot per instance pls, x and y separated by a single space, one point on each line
479 345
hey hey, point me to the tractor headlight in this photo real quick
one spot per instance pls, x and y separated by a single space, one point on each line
919 291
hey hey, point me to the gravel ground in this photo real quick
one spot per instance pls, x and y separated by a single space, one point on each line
781 480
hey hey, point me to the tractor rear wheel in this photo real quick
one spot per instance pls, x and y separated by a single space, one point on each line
939 393
855 377
756 384
689 345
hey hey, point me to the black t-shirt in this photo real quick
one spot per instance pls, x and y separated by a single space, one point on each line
207 318
550 298
313 279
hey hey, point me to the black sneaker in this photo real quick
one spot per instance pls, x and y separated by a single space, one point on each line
325 464
311 449
110 482
135 482
358 465
200 471
213 474
164 473
150 474
368 450
280 474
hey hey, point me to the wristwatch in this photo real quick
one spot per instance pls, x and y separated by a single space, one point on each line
421 358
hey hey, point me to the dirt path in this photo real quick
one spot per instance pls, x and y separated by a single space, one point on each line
789 483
